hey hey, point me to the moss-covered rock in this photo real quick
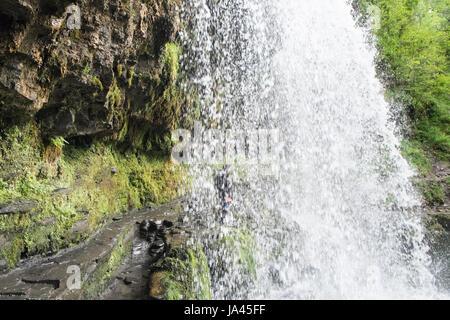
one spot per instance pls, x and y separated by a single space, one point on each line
88 102
99 280
75 192
182 275
61 76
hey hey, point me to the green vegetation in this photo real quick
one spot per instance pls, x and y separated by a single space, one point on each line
58 141
162 110
240 245
130 77
29 169
433 192
167 96
415 155
185 275
120 69
102 275
87 68
171 60
96 81
75 34
113 97
413 46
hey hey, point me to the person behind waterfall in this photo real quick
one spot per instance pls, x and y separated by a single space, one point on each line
224 187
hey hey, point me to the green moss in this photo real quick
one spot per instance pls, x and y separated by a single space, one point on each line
239 243
433 192
120 69
87 68
167 96
96 81
75 34
11 254
130 77
186 275
140 179
150 124
58 141
113 97
413 152
123 132
103 274
413 57
173 289
171 60
436 228
200 273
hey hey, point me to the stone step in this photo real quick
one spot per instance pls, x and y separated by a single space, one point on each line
98 260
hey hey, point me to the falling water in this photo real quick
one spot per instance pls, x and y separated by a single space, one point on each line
338 218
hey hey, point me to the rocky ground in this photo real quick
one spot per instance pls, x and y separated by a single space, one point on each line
115 263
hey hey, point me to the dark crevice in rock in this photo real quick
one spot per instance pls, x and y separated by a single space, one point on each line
12 294
54 283
54 7
163 30
15 12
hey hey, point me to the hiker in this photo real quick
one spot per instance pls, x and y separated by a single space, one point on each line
224 187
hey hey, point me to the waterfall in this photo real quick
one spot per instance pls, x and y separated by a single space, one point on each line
331 214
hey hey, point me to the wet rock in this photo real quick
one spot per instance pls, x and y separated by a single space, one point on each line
65 77
3 265
93 257
62 190
164 229
18 79
157 248
147 228
167 225
161 233
151 237
156 234
78 230
156 285
143 228
18 206
443 220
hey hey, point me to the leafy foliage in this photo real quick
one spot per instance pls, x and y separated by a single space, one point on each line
90 190
413 47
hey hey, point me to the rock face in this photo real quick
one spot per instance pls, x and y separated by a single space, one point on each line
19 205
84 68
113 265
101 77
